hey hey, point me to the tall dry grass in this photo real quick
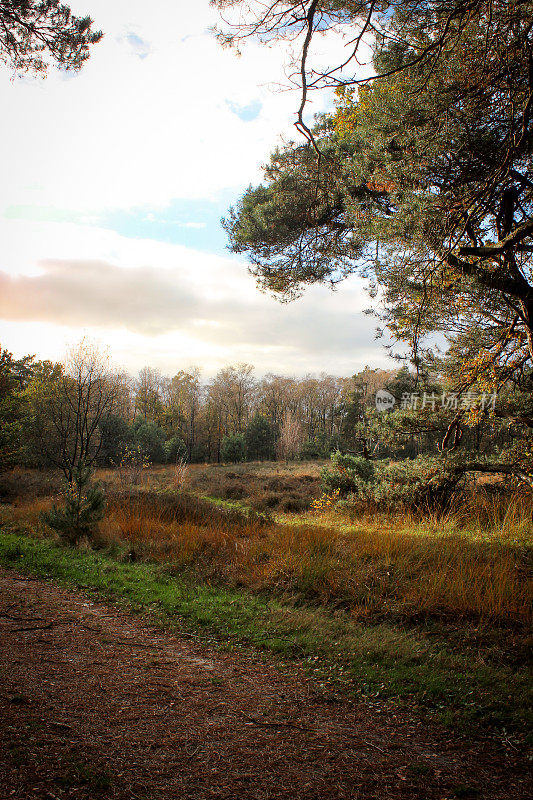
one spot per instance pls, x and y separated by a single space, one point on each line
25 512
473 561
401 566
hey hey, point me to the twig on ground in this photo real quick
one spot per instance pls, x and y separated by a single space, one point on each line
129 644
39 627
264 723
61 725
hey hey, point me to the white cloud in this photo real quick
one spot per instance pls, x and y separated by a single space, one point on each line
159 112
166 304
128 131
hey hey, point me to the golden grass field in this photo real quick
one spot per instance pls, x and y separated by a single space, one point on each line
474 562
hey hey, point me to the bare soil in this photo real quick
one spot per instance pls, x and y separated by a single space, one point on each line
96 703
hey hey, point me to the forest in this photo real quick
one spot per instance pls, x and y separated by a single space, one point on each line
85 412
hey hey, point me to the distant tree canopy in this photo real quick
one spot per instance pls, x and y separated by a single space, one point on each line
259 439
35 34
15 375
83 413
233 448
420 179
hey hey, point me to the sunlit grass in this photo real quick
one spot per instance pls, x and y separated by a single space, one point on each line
429 607
394 566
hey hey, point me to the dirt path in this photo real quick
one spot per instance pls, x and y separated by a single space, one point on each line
96 704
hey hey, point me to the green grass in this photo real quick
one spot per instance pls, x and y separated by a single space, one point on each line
232 505
418 665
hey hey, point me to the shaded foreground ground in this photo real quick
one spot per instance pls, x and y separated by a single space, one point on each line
95 703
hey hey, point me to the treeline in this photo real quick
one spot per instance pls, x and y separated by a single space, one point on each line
235 416
84 411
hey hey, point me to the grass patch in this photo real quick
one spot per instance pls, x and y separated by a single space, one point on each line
421 665
379 569
267 487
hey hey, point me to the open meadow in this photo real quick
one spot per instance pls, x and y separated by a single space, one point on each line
427 611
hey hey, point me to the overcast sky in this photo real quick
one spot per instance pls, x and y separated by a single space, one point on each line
114 180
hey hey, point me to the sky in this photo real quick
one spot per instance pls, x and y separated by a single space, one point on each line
114 182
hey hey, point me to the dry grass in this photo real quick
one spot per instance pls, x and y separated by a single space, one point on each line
263 486
269 486
474 562
398 569
509 515
25 512
27 484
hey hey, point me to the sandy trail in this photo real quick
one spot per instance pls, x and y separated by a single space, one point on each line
95 703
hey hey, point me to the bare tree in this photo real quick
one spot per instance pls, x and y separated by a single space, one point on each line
148 391
290 438
182 397
69 404
234 389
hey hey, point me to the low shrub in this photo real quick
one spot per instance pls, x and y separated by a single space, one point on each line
423 483
83 508
346 473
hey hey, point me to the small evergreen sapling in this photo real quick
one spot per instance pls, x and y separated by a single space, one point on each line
83 508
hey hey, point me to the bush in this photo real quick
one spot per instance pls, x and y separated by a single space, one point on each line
426 482
321 446
131 466
233 448
115 433
423 483
199 454
259 438
150 438
84 508
346 473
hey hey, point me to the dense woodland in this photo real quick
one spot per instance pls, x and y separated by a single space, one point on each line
234 416
85 411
